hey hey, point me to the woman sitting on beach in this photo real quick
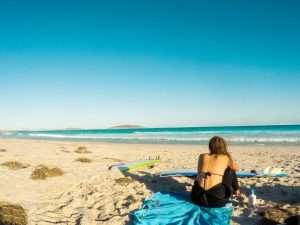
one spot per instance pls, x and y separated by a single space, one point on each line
216 176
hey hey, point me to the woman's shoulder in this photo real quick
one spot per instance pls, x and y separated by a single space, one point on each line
221 156
215 157
218 158
208 155
204 156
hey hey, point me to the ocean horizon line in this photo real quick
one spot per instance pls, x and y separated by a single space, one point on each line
146 127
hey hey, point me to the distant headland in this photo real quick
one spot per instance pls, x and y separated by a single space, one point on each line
72 128
126 127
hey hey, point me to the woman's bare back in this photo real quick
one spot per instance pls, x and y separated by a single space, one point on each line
211 169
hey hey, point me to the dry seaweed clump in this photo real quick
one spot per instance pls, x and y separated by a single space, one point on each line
12 165
276 215
83 160
81 150
42 172
11 214
124 181
3 150
66 151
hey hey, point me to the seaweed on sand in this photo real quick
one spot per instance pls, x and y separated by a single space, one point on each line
13 165
83 160
81 150
42 172
11 214
124 181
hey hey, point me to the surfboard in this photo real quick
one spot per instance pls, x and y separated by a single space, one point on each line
193 173
132 165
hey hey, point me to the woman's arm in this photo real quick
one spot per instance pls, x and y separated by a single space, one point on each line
200 162
235 184
235 167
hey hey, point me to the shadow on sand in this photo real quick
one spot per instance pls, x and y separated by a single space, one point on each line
284 194
281 194
154 183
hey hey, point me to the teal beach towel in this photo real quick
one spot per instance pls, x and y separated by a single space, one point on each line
162 209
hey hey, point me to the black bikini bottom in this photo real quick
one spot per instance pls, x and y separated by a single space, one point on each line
214 197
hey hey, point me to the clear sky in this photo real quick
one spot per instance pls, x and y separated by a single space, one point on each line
156 63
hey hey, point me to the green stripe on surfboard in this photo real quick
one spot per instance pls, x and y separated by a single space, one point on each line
147 163
134 165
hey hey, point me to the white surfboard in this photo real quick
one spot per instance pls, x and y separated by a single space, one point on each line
193 173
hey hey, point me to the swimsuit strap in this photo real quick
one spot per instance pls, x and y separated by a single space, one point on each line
206 174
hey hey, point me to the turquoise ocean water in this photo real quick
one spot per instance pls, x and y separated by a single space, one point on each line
235 135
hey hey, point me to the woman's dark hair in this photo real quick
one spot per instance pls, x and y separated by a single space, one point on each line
217 145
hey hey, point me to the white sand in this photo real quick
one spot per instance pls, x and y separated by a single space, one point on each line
88 193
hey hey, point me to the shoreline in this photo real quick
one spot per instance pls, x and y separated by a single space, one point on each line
229 144
95 194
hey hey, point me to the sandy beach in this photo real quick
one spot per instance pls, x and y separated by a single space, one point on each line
89 193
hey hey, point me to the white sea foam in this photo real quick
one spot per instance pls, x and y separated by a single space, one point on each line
64 136
266 139
176 138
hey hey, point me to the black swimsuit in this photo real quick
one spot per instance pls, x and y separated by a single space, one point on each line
218 195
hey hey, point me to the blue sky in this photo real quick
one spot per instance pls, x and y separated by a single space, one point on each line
95 64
